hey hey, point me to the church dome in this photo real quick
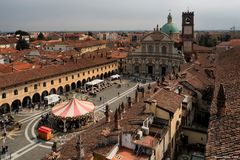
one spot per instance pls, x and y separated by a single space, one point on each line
169 27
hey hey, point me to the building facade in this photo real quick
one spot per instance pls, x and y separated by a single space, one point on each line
156 57
31 86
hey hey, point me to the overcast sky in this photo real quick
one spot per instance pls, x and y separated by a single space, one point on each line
67 15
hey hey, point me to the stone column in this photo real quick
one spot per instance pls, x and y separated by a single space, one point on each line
136 96
107 114
116 120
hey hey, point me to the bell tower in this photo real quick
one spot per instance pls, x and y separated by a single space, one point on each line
188 34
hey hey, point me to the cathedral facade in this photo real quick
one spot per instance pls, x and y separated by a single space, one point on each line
158 53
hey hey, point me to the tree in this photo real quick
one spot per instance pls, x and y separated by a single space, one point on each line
21 33
40 36
22 44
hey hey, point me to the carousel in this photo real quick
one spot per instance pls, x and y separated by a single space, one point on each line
74 113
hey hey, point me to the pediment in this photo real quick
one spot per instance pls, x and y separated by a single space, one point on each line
156 36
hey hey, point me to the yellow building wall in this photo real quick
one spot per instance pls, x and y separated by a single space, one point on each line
162 114
195 137
88 73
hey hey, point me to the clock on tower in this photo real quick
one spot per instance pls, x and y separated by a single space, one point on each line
188 34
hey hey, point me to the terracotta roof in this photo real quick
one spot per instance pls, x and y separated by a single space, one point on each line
7 40
233 42
224 131
168 100
18 78
119 55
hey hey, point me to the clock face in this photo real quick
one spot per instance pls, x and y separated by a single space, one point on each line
187 20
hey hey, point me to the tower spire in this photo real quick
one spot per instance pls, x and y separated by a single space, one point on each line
169 17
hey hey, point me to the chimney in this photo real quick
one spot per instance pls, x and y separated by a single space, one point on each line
136 96
79 148
116 120
120 112
123 107
143 93
221 98
107 114
129 102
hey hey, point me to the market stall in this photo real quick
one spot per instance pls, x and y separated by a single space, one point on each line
74 110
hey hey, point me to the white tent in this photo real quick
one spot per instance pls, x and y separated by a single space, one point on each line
94 82
116 76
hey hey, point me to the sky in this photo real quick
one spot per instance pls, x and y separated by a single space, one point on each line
95 15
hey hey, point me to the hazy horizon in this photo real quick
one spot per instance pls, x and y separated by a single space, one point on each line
109 15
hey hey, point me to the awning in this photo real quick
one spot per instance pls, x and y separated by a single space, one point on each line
115 76
94 82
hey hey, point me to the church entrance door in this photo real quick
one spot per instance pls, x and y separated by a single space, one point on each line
150 70
163 71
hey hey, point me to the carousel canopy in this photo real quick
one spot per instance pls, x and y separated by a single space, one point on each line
73 108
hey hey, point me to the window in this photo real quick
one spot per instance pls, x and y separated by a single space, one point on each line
97 69
35 86
101 68
66 78
15 92
72 76
105 67
143 48
4 95
78 75
44 84
52 82
92 71
26 89
150 49
88 72
164 49
83 73
157 48
109 66
59 80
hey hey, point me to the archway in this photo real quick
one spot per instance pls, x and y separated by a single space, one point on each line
113 72
88 79
5 108
73 86
101 76
26 101
93 77
15 104
105 75
98 77
78 84
36 98
67 88
109 74
83 82
44 94
53 91
60 90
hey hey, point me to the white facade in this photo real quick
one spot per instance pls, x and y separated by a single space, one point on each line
157 56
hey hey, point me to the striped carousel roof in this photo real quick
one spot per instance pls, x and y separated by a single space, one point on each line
73 108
